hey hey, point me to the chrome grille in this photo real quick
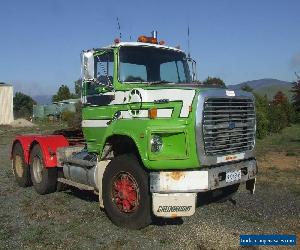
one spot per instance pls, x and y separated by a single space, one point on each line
228 125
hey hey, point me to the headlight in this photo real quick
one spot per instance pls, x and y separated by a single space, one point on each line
156 143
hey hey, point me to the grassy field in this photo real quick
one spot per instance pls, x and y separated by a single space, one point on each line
287 141
73 219
279 158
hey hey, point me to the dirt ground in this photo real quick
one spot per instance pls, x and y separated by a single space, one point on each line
73 219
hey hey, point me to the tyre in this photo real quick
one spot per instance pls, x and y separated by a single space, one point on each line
226 193
20 168
44 179
125 192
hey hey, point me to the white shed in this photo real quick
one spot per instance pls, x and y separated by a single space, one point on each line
6 104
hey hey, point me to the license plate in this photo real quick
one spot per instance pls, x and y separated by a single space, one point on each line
233 176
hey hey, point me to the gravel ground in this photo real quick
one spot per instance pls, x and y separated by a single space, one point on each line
73 219
20 123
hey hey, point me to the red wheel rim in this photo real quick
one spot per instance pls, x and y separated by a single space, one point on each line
125 193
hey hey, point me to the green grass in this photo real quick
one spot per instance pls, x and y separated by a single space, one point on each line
288 140
41 128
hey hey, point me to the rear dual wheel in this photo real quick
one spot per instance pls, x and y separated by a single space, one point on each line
44 179
20 168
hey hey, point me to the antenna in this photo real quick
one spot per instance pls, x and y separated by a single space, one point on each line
297 75
193 62
119 28
188 40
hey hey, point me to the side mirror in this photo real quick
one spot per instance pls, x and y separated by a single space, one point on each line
193 66
87 65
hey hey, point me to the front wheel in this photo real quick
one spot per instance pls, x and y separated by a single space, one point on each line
125 192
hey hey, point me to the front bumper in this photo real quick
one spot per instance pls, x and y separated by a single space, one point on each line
203 180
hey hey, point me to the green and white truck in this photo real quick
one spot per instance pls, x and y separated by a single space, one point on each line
154 138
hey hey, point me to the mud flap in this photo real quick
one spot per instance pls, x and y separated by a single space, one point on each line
250 185
173 205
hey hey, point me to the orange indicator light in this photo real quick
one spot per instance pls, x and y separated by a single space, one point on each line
152 113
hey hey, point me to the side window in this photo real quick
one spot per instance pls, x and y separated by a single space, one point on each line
104 68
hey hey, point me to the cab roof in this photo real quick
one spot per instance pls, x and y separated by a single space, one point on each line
139 44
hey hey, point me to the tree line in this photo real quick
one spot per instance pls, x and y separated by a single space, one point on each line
23 104
273 116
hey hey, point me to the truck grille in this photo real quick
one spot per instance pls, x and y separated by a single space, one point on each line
228 125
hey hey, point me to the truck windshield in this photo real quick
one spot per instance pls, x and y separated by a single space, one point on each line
153 65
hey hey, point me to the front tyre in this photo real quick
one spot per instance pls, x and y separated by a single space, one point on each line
125 193
44 179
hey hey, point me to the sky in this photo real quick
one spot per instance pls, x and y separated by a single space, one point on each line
236 40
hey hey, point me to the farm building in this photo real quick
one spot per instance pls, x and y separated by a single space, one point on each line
55 109
6 104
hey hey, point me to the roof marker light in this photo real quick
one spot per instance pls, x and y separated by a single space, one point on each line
147 39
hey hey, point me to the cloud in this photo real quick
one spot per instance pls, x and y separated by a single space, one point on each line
295 61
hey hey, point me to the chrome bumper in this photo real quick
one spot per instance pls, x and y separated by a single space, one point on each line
203 180
217 175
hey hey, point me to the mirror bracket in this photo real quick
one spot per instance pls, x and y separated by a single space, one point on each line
194 68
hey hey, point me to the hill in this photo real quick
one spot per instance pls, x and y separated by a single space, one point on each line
43 99
266 86
272 90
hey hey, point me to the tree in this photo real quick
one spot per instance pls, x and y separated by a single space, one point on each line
247 88
262 116
63 93
281 113
73 119
289 110
23 105
78 88
279 98
296 97
214 81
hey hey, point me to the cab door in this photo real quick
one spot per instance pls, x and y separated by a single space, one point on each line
97 95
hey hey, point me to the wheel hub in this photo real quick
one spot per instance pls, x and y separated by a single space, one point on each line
125 193
37 168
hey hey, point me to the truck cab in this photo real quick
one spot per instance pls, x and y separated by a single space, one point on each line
154 138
